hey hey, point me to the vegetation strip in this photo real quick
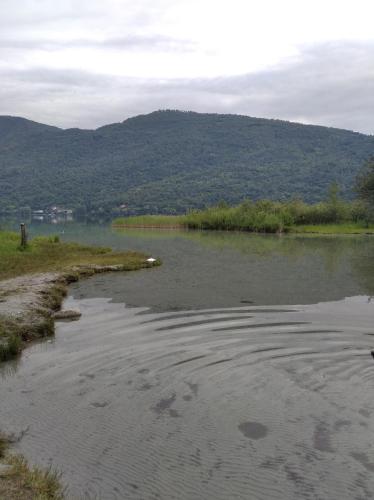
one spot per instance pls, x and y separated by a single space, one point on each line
342 217
331 217
28 303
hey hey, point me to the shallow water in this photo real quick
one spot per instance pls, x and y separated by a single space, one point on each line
202 379
221 269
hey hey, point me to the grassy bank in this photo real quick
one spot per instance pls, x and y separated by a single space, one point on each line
45 254
333 217
19 481
342 228
28 298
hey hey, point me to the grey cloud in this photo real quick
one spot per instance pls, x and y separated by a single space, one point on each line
52 78
130 42
330 84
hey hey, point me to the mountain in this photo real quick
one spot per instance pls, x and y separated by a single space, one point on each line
170 161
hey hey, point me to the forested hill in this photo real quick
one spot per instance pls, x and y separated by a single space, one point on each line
169 161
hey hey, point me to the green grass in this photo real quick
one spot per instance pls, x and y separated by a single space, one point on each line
342 228
163 221
23 482
49 254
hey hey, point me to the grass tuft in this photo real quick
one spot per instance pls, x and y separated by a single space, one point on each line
23 482
10 346
3 445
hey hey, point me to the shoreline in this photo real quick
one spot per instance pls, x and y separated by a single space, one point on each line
28 303
302 230
142 226
28 306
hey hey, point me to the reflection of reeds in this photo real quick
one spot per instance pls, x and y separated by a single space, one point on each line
355 253
150 221
363 266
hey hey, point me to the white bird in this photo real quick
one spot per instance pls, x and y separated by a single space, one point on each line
151 260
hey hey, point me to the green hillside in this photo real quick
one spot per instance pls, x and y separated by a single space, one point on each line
170 161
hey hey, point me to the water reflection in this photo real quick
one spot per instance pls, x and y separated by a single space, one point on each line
216 400
218 269
335 250
222 269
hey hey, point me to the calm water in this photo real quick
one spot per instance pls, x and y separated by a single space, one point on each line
240 368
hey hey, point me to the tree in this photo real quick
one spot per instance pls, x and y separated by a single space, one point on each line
365 186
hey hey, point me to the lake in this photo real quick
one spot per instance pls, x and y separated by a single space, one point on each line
240 368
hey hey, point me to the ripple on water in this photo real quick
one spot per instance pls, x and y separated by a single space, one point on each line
253 402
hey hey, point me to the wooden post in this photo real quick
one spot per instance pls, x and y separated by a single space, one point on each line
23 236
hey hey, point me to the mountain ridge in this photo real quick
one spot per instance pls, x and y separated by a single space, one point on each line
181 112
171 161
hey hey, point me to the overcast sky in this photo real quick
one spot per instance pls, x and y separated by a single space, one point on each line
86 63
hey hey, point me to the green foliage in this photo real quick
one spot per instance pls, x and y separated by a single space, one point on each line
365 187
264 216
171 162
46 253
341 228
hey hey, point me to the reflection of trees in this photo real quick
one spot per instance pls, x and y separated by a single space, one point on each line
336 251
339 251
250 243
363 265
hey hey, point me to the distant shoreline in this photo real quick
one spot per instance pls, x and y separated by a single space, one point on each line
328 229
333 216
151 226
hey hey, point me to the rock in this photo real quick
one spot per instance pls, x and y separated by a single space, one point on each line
69 314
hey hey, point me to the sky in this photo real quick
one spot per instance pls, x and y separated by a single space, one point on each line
86 63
